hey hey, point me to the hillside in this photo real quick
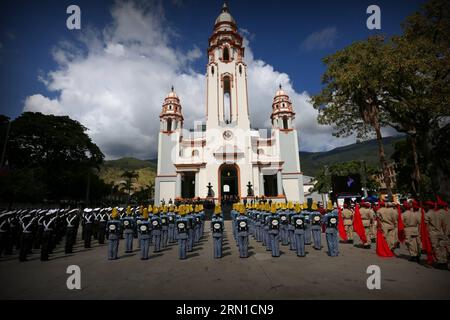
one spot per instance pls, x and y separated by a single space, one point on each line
313 162
112 170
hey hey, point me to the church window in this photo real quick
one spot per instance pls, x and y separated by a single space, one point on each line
170 107
226 54
195 153
227 100
260 152
169 125
285 123
240 70
212 70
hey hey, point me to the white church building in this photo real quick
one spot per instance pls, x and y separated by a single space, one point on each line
225 152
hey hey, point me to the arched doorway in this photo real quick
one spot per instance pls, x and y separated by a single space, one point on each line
229 181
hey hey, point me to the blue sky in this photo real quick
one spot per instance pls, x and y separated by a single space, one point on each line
278 32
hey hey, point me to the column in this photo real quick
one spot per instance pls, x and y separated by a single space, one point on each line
178 187
279 183
261 183
197 194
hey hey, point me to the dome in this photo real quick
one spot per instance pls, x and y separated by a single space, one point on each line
225 15
172 94
280 92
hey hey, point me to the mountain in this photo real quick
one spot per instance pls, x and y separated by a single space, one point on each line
112 170
312 162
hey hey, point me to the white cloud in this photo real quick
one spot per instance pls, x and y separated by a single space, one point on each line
320 40
114 82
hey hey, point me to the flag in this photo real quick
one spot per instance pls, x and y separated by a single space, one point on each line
383 249
358 225
400 226
341 227
426 242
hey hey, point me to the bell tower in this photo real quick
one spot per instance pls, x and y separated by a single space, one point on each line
227 98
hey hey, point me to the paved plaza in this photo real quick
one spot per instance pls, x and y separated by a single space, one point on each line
201 277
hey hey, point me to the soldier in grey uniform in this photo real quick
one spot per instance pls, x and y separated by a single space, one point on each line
113 227
144 236
182 233
331 232
298 222
316 228
274 225
128 232
242 234
217 233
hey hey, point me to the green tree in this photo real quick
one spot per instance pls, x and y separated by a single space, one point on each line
417 83
56 147
353 92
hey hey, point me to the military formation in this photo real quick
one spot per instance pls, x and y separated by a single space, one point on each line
291 225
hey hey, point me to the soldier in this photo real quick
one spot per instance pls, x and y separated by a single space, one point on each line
102 219
128 231
298 222
389 220
307 221
242 232
182 232
411 220
266 235
274 225
438 237
144 235
164 228
316 228
113 227
283 226
367 220
49 223
331 232
72 221
156 230
191 227
88 219
27 222
347 216
291 226
5 231
442 208
217 232
95 223
171 229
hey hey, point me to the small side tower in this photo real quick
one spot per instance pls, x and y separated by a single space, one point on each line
171 125
283 126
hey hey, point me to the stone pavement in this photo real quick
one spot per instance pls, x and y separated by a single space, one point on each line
201 277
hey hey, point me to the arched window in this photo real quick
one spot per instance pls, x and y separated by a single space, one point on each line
226 54
240 70
169 125
195 153
212 70
227 99
285 123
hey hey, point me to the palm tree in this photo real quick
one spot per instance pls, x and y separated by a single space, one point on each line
128 183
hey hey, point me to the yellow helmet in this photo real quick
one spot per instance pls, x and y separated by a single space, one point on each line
290 205
128 210
145 213
297 207
155 210
115 213
329 205
273 209
314 206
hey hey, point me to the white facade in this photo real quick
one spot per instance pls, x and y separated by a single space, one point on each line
226 152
